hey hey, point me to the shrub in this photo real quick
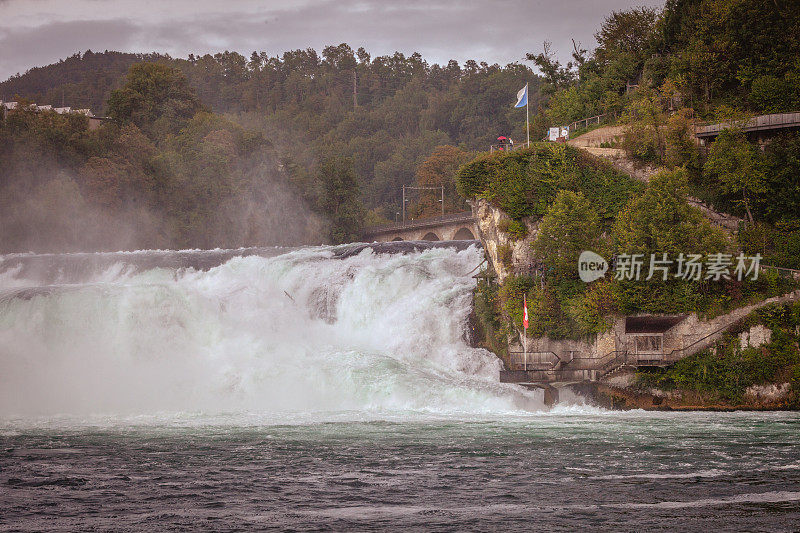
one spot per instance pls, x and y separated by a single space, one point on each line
517 229
525 182
505 255
570 226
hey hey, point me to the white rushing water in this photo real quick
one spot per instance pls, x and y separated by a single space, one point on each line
300 334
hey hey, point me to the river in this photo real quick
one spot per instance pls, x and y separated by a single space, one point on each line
330 388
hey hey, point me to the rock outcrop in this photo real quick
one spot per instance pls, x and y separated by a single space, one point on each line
508 255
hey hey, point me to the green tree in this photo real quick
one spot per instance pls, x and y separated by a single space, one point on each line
661 221
570 226
626 32
340 199
154 92
738 166
555 75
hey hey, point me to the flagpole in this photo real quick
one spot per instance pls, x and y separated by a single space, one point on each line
525 330
525 346
527 120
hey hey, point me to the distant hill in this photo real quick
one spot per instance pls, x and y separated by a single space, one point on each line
80 81
389 122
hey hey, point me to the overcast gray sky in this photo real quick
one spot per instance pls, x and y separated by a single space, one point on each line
39 32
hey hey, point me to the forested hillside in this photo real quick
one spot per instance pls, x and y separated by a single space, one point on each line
166 173
387 114
79 81
659 72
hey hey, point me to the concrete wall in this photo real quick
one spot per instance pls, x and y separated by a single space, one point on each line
685 338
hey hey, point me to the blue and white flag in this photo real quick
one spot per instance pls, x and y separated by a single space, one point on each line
522 97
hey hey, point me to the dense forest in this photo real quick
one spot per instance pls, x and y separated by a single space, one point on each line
164 173
708 55
388 121
80 81
661 71
380 122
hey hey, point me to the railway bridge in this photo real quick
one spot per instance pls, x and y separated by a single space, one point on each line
454 227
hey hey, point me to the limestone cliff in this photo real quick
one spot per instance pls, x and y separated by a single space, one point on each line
507 255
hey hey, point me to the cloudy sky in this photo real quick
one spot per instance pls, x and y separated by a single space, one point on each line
39 32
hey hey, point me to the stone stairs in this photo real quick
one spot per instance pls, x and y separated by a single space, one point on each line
591 142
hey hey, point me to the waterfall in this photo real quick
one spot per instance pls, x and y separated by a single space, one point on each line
315 333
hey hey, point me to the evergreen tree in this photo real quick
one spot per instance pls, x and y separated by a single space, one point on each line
340 199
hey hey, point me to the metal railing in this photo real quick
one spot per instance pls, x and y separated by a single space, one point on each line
783 272
588 121
533 360
759 123
507 147
567 367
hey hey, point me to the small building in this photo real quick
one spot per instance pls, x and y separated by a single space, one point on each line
5 107
648 338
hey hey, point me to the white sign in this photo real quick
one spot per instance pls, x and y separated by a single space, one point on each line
553 136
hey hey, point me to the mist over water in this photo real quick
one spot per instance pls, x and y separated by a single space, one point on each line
282 335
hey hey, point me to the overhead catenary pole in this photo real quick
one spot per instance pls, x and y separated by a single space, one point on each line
404 205
439 188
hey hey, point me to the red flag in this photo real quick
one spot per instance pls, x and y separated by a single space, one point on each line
524 312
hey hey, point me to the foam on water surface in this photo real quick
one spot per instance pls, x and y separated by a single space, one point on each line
316 333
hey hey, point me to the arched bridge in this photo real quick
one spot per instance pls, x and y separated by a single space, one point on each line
455 227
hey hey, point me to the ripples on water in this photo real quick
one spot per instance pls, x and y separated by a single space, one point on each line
616 471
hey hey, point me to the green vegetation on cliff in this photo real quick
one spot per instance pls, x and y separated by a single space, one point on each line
724 374
526 182
660 71
592 207
657 71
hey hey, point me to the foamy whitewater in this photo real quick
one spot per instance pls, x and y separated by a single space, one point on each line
301 333
330 388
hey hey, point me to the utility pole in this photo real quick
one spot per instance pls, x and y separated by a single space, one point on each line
355 90
442 200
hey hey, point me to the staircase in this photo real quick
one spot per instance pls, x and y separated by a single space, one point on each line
591 142
548 367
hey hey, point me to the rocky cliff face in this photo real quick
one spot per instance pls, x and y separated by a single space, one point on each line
507 255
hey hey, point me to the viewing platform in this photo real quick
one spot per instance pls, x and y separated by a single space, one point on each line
762 123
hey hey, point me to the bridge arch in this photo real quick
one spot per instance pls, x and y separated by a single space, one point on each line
431 236
464 234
